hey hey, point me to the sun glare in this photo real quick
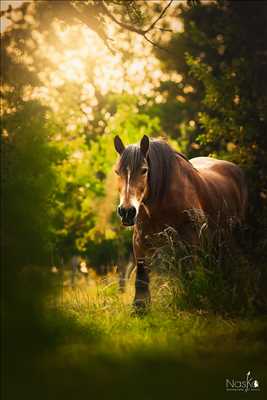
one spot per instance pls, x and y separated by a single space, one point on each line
73 69
79 56
4 4
82 58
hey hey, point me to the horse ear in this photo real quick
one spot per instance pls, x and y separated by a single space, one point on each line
119 146
144 145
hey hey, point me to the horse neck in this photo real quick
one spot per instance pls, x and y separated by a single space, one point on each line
184 176
186 173
184 179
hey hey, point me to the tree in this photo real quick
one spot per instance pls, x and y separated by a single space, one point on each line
27 160
28 186
61 209
95 14
221 54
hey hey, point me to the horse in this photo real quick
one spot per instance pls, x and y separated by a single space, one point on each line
158 186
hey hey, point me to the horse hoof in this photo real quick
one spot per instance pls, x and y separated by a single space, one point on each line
141 307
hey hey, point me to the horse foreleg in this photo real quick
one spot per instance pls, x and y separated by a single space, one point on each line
142 294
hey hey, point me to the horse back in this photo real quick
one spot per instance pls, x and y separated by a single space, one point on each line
223 188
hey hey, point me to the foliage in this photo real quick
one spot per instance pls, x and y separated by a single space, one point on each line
94 14
59 196
81 203
213 275
87 196
224 61
28 185
210 101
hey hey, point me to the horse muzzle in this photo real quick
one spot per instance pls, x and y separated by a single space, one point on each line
127 215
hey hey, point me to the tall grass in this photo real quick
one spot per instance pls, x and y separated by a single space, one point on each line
213 274
87 342
98 306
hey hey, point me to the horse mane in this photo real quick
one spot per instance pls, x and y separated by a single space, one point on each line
161 160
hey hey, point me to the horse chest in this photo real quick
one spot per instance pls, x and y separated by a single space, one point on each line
160 220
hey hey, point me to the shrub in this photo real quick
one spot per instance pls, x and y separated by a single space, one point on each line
212 275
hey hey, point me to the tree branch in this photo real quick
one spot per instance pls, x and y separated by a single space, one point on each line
159 17
121 24
130 27
155 44
92 21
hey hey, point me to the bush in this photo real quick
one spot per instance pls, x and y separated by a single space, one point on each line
212 275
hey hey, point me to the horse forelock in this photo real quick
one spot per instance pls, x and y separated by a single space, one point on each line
161 158
131 159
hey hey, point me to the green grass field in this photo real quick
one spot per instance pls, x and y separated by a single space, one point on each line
93 346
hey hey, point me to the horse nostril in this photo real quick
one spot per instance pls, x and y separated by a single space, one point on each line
121 211
131 212
127 213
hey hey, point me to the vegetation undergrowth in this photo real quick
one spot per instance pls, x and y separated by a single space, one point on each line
86 339
213 274
100 308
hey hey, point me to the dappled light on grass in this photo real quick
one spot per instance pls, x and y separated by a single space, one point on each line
164 328
87 341
155 355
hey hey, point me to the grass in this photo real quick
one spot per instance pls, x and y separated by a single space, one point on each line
101 307
215 274
96 347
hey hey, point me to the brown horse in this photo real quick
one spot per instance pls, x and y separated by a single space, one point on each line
158 186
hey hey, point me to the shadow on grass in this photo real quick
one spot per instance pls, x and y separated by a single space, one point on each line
68 373
56 355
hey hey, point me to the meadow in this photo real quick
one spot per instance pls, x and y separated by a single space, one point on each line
87 341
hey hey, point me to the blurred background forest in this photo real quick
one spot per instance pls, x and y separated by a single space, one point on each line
75 74
73 78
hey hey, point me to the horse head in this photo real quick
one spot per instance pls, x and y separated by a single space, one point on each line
132 170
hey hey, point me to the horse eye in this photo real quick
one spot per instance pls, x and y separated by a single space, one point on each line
143 171
117 172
